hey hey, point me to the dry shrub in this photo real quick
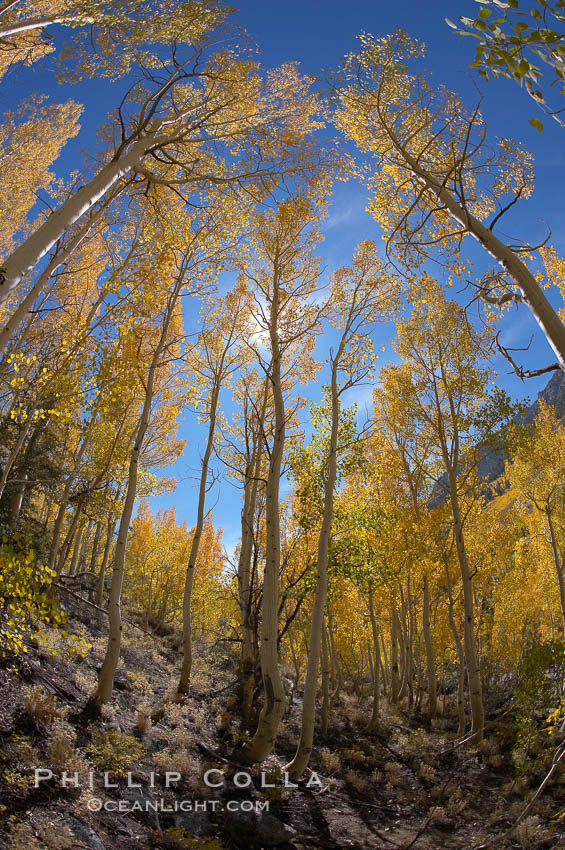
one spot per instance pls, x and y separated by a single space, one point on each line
438 814
330 760
392 770
354 755
529 831
140 683
426 773
356 781
41 705
143 720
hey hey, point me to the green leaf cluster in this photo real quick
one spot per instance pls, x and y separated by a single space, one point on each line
24 597
513 43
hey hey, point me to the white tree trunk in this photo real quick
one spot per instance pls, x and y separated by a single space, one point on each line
471 657
430 657
558 563
36 246
374 721
532 294
244 567
19 314
274 697
105 685
460 656
302 756
8 30
184 682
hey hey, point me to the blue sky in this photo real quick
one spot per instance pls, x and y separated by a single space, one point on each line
317 35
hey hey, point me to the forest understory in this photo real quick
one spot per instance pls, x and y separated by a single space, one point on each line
406 785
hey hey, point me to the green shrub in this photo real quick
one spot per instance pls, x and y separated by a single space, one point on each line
539 697
114 751
24 598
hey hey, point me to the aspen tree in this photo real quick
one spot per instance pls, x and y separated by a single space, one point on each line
253 394
213 122
106 676
446 391
437 179
284 275
536 471
360 296
217 358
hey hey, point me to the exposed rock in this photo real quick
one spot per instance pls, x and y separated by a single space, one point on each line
492 461
145 812
258 828
196 823
85 834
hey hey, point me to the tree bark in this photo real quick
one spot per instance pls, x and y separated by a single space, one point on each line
16 318
430 657
374 721
103 692
325 707
14 452
460 656
532 294
102 572
394 678
54 549
36 246
245 590
317 629
274 696
471 657
184 681
558 563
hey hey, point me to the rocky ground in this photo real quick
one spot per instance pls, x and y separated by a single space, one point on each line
403 787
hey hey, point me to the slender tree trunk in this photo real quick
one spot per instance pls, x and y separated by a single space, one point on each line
460 656
558 563
304 749
184 681
103 691
66 547
102 572
374 721
245 589
382 674
36 246
411 632
325 707
17 501
430 657
532 294
403 648
54 549
335 661
394 678
14 452
81 563
274 696
297 669
16 318
77 550
10 30
95 546
385 668
471 658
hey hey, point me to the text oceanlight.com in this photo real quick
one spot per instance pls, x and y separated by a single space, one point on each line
96 804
